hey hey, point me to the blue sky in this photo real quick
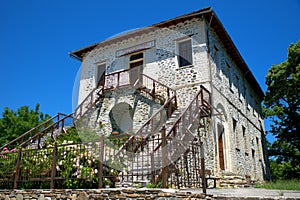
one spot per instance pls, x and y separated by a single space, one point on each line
37 35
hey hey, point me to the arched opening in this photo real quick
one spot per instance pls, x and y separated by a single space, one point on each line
222 138
121 118
221 145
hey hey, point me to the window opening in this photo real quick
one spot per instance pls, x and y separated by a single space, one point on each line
185 53
136 63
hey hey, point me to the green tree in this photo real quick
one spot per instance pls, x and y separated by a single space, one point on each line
283 108
14 123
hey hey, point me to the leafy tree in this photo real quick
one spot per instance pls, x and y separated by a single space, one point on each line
282 106
14 123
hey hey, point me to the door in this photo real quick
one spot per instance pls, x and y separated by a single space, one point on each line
100 78
221 146
136 68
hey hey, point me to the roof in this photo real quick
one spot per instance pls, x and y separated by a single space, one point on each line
209 15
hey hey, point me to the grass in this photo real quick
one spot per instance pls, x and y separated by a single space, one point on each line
281 185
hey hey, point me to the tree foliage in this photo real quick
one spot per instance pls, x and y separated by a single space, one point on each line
282 107
14 123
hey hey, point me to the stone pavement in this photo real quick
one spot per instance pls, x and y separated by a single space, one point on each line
250 193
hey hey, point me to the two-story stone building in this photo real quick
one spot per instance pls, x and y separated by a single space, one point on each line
182 54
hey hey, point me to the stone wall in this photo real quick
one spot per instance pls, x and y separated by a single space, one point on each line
160 61
142 193
140 108
234 97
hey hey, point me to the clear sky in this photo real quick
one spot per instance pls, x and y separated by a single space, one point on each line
37 35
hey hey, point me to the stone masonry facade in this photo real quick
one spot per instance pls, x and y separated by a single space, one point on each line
236 129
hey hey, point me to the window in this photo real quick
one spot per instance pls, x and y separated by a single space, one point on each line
250 99
229 77
255 113
258 147
185 53
216 56
100 73
243 92
234 123
245 140
238 87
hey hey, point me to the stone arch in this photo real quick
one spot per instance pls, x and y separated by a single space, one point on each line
221 110
222 139
121 117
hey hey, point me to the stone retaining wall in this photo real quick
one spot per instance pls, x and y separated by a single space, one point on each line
98 194
148 194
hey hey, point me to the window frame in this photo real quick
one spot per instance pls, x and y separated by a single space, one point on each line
97 74
217 59
190 52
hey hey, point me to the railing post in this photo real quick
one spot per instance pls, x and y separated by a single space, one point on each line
118 80
164 157
203 178
17 169
100 163
201 96
53 169
153 85
168 93
152 168
169 109
39 141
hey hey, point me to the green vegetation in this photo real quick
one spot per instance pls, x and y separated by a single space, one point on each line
14 123
282 107
281 185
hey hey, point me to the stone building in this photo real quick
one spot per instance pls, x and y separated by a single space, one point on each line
183 55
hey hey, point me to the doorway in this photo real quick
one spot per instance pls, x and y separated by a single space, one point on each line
136 63
100 76
221 146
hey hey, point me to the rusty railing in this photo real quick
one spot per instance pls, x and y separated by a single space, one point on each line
182 138
49 126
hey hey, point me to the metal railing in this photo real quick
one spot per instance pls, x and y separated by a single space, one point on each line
181 136
142 156
86 165
47 127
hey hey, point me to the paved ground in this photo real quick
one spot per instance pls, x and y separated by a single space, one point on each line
252 193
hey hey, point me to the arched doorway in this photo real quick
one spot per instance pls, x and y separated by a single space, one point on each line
121 117
221 136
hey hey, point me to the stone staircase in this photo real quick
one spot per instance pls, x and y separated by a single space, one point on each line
230 180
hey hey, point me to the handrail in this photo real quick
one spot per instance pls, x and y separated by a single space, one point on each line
160 83
92 100
203 103
41 133
33 129
147 123
150 121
